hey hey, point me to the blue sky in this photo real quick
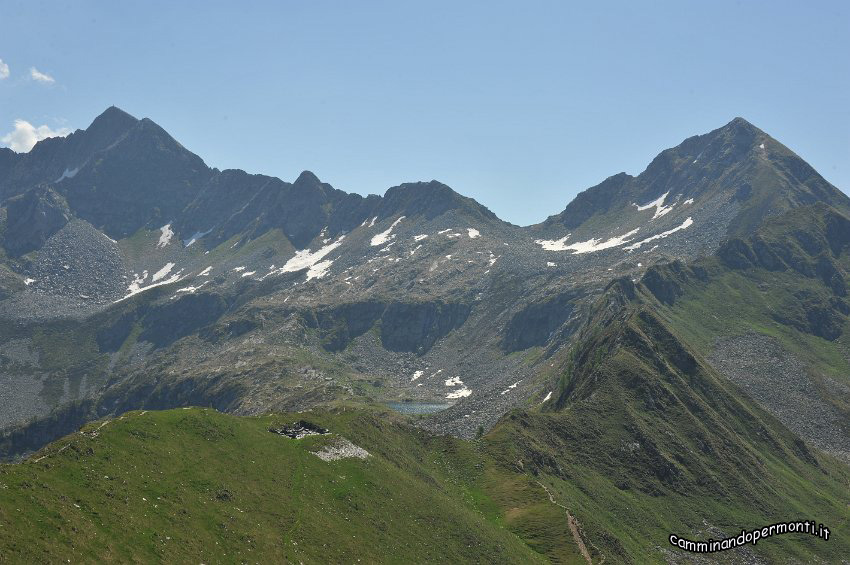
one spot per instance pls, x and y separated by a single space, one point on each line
518 104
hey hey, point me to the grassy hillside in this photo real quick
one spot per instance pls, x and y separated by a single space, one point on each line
198 486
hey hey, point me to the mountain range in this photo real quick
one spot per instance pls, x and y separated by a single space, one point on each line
667 354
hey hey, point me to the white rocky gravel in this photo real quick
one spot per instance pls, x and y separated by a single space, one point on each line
340 448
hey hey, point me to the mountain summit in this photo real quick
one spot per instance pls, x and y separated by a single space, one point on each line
737 163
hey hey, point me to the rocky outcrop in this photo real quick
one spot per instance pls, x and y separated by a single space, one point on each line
166 323
416 327
32 218
403 326
536 322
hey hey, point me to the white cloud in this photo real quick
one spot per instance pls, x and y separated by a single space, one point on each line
41 77
25 135
4 70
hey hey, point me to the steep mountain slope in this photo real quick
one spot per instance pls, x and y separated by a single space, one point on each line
164 281
645 439
736 170
770 312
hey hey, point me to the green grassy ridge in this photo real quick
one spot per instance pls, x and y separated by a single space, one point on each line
648 441
195 485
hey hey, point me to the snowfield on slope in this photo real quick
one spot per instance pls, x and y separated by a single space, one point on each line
385 236
684 225
589 246
658 204
310 260
166 233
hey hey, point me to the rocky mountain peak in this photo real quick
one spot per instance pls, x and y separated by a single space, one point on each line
430 199
112 123
307 178
736 172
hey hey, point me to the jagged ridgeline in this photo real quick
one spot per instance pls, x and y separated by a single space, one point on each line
666 355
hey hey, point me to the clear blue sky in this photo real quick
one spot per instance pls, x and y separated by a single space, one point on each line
517 104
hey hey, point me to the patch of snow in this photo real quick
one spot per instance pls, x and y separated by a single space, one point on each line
684 225
553 244
239 269
372 223
310 260
548 396
195 237
28 282
688 201
71 173
658 204
460 393
319 270
551 264
511 387
473 233
136 286
190 289
205 272
248 274
589 246
162 272
416 375
760 147
166 233
444 231
453 381
385 236
419 237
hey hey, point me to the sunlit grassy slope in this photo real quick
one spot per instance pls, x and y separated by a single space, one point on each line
203 487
